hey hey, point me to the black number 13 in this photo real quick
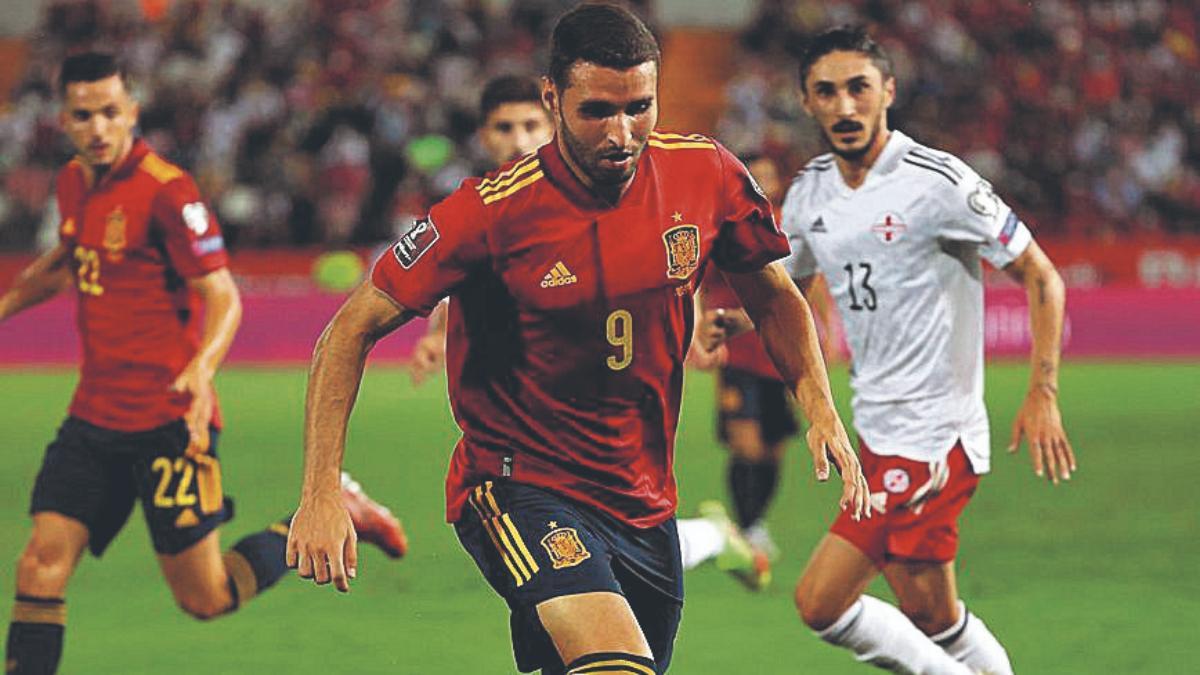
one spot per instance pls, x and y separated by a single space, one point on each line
868 293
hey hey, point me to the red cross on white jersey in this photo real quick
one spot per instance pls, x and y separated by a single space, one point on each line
891 229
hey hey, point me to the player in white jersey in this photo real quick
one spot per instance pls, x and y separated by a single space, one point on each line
898 230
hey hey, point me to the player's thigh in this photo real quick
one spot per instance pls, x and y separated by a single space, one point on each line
926 591
836 575
181 498
85 477
533 546
197 577
592 622
51 555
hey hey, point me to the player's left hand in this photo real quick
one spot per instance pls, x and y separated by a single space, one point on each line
1040 423
322 544
827 440
196 380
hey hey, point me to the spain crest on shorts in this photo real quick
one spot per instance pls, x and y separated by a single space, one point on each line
114 234
683 250
565 547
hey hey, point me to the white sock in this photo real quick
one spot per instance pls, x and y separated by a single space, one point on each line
972 643
699 540
881 635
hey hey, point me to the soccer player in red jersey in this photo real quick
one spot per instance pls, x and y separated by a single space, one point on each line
571 273
147 260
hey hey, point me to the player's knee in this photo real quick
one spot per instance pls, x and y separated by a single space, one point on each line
816 611
746 443
612 662
43 570
202 607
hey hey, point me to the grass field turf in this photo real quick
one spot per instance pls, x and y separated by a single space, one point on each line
1094 576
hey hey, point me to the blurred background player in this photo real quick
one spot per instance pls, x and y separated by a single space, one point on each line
148 261
755 416
572 272
900 230
513 123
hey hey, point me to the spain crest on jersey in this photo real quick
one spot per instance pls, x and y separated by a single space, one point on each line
114 234
565 547
683 250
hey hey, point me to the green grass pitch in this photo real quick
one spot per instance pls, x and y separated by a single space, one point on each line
1094 576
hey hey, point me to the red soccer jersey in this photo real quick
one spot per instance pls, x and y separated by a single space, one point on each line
571 317
746 351
134 238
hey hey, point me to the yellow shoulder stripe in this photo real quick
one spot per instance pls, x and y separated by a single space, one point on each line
682 145
511 189
669 137
160 169
520 168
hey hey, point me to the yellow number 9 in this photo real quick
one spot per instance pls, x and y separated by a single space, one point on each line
620 334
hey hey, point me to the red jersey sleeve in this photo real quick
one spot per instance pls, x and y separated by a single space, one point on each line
68 188
749 239
189 230
436 254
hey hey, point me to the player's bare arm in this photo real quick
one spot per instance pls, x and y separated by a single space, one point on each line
322 545
706 352
1039 420
222 316
429 353
788 332
39 282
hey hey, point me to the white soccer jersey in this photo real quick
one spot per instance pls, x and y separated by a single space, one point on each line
901 257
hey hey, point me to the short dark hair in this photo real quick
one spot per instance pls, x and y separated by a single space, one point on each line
844 39
601 33
88 67
508 89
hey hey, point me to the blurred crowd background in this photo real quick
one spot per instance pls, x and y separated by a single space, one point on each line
335 121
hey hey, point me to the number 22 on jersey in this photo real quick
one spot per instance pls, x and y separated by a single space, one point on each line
88 271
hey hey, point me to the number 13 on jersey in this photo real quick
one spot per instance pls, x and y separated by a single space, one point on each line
619 331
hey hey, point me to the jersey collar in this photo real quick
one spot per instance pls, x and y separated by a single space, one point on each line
137 152
898 143
556 169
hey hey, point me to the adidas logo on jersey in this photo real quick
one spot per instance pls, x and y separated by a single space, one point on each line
818 225
558 275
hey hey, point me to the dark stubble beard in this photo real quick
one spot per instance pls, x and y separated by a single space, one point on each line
588 162
858 153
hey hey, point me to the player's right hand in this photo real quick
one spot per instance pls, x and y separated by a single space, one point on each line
322 544
827 440
428 356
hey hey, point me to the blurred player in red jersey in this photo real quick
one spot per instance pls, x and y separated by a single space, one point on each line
148 260
513 122
754 410
571 272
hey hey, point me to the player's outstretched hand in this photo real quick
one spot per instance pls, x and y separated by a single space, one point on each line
1040 423
322 544
197 381
427 357
828 440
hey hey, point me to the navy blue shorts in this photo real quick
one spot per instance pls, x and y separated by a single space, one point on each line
93 475
745 396
533 545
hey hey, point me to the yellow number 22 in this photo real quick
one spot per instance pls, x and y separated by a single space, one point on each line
89 271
